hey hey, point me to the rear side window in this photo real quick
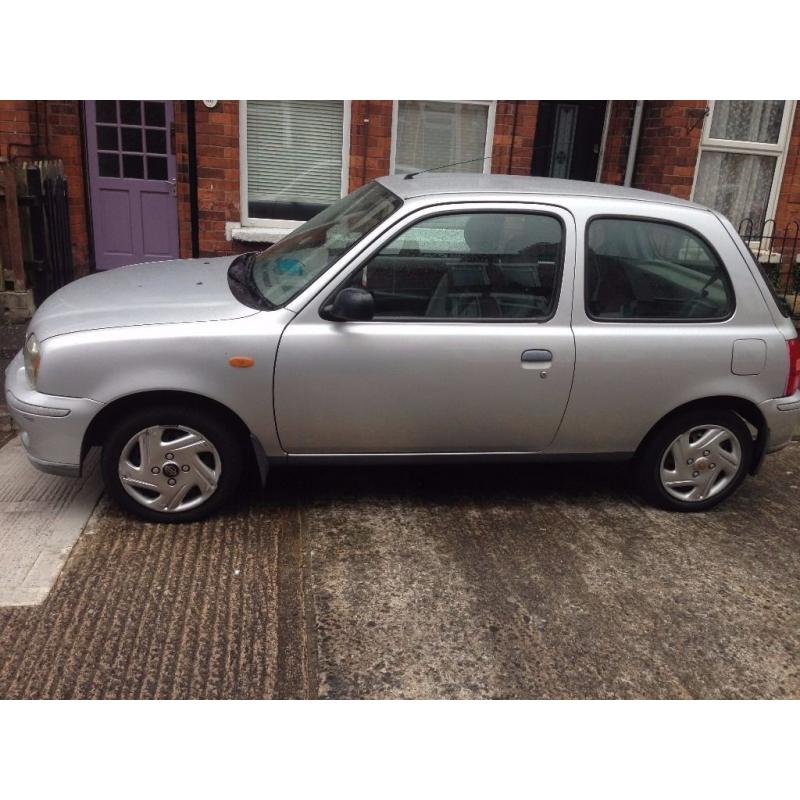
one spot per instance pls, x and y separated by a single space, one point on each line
639 269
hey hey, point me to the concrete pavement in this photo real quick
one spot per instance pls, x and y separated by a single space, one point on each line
41 517
491 581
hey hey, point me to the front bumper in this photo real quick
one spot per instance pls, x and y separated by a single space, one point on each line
52 428
783 420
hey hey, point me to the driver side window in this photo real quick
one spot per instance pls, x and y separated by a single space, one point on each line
482 265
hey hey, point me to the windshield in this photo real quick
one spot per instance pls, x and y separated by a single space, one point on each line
282 271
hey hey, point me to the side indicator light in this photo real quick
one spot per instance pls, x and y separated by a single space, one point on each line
243 362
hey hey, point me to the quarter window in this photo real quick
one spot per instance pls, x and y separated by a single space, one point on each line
486 265
644 270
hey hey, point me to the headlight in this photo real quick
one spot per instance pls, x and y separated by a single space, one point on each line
33 358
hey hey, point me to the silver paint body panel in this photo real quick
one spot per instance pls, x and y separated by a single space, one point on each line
420 386
409 390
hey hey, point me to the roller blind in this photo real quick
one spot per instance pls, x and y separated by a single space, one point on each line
294 150
432 133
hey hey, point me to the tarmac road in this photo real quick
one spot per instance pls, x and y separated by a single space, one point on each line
519 581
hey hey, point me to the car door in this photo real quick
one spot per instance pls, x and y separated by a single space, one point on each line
470 349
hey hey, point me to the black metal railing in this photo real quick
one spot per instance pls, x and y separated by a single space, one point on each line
44 216
777 251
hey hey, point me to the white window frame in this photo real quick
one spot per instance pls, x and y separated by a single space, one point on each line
267 230
487 150
712 145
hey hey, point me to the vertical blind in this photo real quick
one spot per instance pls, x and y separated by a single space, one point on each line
432 134
294 150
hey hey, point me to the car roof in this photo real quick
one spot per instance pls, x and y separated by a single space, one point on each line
431 183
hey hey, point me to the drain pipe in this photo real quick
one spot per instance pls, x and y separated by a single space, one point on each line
603 141
194 214
634 145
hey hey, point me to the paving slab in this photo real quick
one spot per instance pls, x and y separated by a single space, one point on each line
41 517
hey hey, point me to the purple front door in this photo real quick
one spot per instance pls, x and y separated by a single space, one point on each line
131 181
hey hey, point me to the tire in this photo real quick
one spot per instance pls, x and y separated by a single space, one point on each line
695 460
138 453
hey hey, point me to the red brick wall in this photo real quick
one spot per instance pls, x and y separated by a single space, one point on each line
182 182
667 151
618 138
217 175
668 146
514 128
52 129
370 140
20 121
788 209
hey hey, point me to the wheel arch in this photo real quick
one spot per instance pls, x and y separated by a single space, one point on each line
746 409
100 425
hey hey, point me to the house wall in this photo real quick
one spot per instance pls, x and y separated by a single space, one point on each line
788 209
34 129
666 157
514 129
217 131
618 139
668 146
370 140
669 141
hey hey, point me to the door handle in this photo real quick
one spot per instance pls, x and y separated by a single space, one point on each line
536 356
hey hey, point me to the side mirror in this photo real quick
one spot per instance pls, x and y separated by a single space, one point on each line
351 305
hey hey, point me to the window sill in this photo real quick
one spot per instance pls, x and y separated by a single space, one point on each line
259 233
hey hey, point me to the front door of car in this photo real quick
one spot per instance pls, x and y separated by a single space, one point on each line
470 349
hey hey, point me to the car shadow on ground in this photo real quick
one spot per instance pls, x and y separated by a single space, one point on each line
450 484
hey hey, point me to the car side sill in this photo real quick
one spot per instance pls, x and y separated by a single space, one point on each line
448 458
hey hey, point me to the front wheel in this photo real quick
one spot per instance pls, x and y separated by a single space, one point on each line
696 460
171 464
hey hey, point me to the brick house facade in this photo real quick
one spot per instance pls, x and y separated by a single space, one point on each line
519 135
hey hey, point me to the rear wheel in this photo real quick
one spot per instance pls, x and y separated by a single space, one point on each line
172 463
695 460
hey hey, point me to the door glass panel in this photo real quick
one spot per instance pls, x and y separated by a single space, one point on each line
130 112
132 139
106 110
483 265
132 166
156 168
155 114
108 165
107 138
747 120
637 269
156 141
563 138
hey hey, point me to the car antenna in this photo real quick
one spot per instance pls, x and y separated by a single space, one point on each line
411 175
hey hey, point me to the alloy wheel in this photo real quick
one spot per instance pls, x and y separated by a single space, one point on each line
169 468
700 463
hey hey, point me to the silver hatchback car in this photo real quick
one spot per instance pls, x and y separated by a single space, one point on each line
423 318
